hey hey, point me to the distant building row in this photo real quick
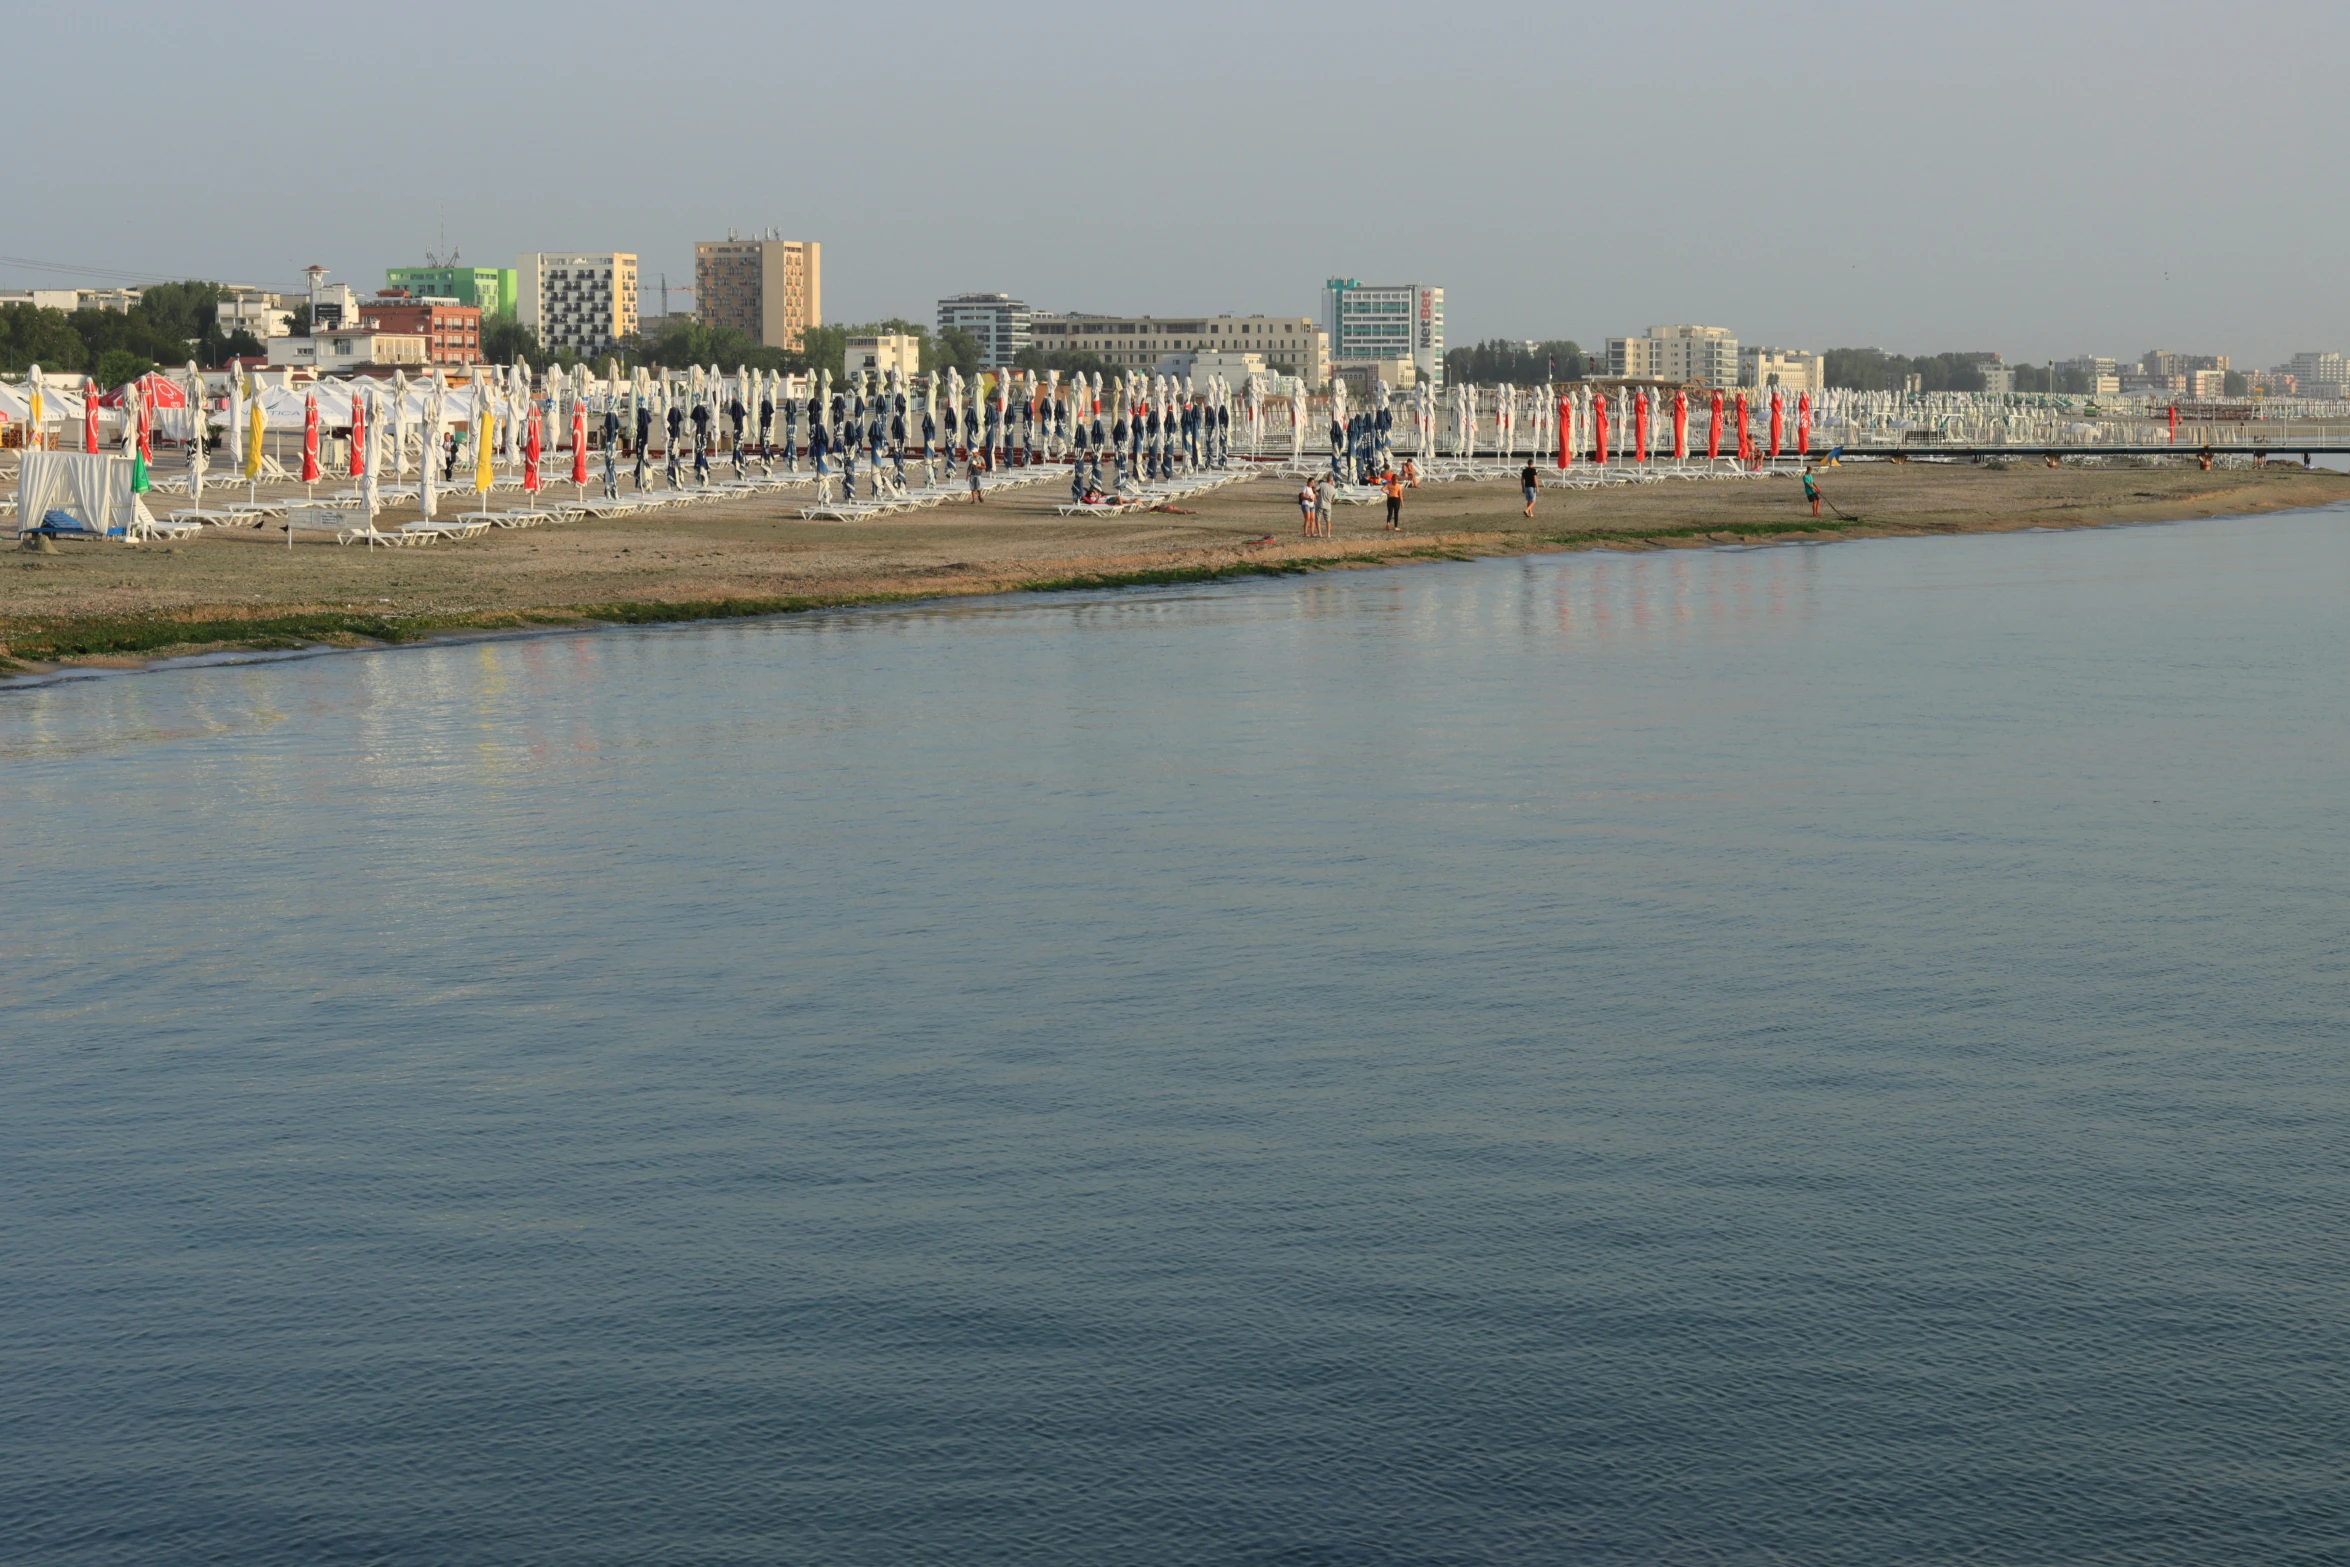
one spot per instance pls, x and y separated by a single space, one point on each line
1392 333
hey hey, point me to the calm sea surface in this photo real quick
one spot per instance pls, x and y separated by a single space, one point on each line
1794 1056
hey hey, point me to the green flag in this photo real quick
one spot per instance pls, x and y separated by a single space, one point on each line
139 484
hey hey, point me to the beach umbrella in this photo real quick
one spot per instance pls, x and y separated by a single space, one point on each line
1803 424
1566 415
34 407
358 438
579 447
258 415
309 440
530 454
195 435
2174 424
428 473
1599 430
399 424
1713 429
236 419
1640 426
1681 424
485 435
1776 418
134 409
1745 441
374 463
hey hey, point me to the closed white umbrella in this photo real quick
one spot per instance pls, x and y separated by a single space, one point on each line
375 451
430 471
195 436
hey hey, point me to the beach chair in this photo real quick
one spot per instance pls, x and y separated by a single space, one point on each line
313 517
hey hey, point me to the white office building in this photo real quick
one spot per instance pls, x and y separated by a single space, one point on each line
1386 321
998 323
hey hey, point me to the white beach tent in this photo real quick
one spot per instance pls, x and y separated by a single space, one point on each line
92 488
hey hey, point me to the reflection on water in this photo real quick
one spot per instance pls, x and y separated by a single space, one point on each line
1746 1055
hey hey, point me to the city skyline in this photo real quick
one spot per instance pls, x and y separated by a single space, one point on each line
2074 196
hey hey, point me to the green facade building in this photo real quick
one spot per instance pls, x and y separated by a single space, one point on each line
492 288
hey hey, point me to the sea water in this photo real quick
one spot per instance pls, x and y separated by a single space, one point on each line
1783 1055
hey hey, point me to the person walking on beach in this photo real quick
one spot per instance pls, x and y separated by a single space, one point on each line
1305 508
1324 488
1394 501
1811 491
1531 483
975 471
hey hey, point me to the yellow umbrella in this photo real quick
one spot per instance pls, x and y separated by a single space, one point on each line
35 379
257 422
485 425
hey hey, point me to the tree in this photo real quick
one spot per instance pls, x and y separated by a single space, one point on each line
1874 370
2237 385
1509 361
118 365
185 311
32 336
958 350
692 343
505 340
1069 361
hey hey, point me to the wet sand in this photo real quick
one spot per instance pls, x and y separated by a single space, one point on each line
116 604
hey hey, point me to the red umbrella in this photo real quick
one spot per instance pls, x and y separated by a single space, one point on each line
358 438
146 429
579 444
1640 425
2174 424
1713 431
1777 422
310 439
1680 425
1566 434
1802 423
530 456
1745 441
90 416
1599 429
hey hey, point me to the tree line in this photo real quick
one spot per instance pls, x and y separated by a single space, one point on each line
171 324
1506 361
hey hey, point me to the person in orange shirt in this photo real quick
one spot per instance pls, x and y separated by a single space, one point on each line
1394 502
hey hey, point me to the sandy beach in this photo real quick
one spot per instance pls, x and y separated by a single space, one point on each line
96 604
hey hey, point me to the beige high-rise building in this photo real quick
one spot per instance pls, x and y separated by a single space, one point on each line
768 289
1707 355
585 303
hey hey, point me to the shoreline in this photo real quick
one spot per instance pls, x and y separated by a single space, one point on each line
83 636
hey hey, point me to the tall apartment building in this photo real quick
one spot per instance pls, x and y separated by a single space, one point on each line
2320 375
771 290
1387 321
1142 341
1706 355
1790 368
490 290
585 303
997 322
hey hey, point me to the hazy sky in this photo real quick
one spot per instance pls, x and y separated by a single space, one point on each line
2043 179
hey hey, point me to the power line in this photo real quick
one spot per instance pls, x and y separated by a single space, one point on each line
108 274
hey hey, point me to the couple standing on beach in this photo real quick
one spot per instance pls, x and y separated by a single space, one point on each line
1313 505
